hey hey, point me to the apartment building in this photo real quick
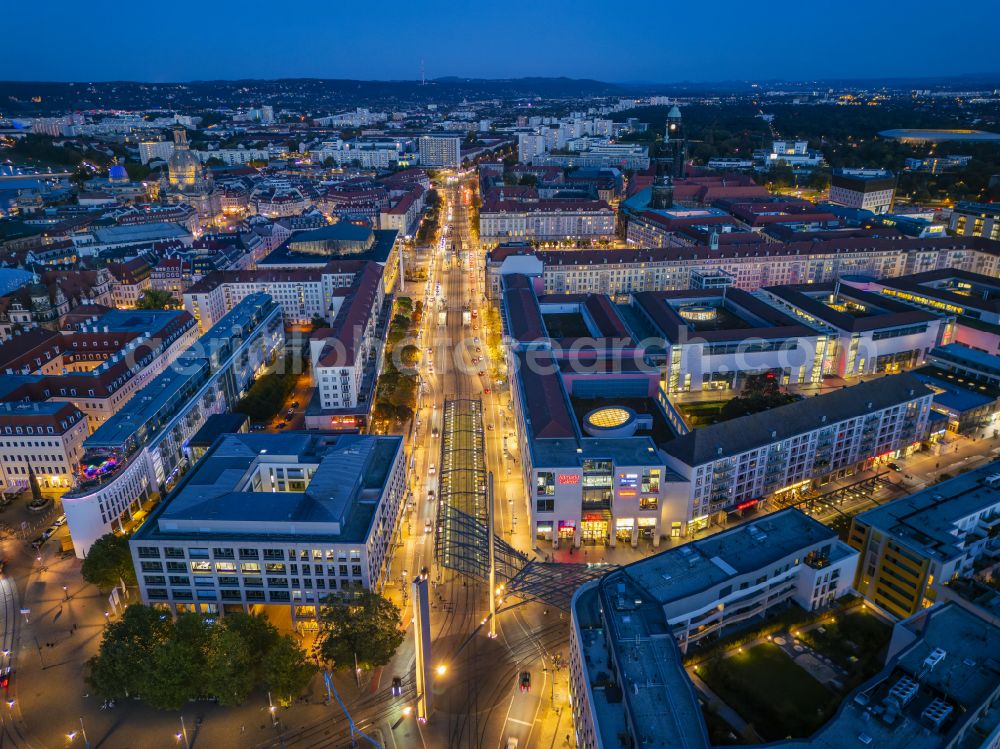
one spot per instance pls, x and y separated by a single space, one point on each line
45 439
99 364
774 455
275 520
975 220
913 546
630 628
526 217
138 454
440 151
750 267
303 294
344 353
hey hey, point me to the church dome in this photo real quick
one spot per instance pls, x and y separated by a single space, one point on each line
183 166
117 173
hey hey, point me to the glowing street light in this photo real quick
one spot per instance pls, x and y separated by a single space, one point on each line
442 669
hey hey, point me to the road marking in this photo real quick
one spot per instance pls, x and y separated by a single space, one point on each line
522 722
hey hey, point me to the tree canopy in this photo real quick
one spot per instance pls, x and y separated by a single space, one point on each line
108 562
367 627
156 299
166 663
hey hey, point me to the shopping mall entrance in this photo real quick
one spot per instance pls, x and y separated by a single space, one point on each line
594 528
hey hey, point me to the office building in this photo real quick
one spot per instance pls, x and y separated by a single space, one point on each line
913 546
774 455
865 189
440 151
275 521
630 627
137 455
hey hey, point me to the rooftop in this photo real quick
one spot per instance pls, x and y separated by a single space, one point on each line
846 308
343 476
285 256
965 677
694 567
926 521
729 438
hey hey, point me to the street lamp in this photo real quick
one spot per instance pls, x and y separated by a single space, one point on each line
442 669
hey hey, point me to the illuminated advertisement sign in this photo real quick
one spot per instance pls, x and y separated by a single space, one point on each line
628 479
569 479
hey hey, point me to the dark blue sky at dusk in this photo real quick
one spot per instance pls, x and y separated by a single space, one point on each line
655 41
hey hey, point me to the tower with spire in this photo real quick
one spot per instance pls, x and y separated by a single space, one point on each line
669 160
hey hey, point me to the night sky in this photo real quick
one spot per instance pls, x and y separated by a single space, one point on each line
657 41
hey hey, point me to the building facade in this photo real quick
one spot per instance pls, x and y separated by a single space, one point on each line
138 454
912 547
290 520
771 457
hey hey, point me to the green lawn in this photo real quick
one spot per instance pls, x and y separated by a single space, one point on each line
764 686
858 635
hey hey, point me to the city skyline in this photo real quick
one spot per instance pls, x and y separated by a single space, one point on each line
674 46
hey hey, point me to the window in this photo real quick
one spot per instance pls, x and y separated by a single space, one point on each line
172 552
225 567
647 503
201 568
149 552
545 484
152 567
544 505
250 568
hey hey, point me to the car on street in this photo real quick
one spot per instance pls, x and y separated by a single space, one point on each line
487 391
511 742
397 686
428 527
61 520
525 681
894 466
482 373
295 404
282 425
434 432
430 495
430 469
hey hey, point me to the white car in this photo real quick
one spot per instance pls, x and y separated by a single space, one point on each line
430 469
428 527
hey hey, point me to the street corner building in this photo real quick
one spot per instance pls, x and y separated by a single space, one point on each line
275 520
